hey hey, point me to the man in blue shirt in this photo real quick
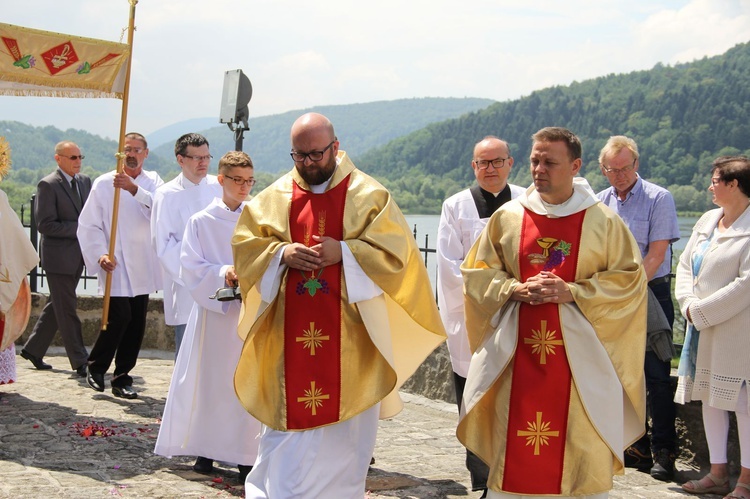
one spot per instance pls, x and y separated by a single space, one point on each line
649 212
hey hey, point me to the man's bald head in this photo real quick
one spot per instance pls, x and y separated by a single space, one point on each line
313 124
314 148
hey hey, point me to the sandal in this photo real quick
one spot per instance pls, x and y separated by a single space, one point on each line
734 496
720 486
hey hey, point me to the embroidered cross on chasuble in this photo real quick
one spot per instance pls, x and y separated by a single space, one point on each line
540 389
312 316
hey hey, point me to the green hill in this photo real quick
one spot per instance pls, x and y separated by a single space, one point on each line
360 127
682 117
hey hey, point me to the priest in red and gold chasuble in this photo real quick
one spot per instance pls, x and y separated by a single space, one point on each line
320 372
555 391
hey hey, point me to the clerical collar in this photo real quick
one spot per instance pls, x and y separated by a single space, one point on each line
487 202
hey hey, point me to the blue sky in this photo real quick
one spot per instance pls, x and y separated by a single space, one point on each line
300 54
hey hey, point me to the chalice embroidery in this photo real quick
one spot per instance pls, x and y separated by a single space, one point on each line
553 252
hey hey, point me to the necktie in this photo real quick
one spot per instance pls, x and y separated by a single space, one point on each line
76 193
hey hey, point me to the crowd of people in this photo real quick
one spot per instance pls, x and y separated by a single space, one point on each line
299 312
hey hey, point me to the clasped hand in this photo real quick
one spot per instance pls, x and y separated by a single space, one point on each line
545 287
326 252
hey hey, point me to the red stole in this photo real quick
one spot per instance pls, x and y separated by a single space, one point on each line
540 390
312 315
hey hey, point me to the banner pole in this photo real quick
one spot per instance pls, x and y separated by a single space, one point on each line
120 165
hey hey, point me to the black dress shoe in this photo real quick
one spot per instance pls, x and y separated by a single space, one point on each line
81 371
203 465
38 363
244 471
124 392
95 380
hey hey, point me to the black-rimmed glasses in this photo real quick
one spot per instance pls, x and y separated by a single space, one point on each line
497 163
299 157
618 171
198 158
241 181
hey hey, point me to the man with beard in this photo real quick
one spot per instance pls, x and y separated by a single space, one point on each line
134 268
337 313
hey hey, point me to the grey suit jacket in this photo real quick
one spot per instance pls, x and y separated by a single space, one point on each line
56 211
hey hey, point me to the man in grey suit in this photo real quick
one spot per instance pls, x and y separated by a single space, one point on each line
59 199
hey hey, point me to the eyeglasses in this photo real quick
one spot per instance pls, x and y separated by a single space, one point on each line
241 181
715 180
497 163
73 158
135 150
299 157
200 159
618 171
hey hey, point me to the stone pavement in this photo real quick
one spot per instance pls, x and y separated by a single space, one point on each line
59 438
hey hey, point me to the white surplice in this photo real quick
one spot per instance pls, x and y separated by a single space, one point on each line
137 271
203 416
459 227
174 203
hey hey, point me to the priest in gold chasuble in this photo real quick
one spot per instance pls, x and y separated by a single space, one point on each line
338 312
555 299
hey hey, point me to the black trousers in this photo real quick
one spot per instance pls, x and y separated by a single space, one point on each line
122 339
478 470
659 393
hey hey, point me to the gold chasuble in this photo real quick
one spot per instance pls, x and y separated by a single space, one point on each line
311 358
555 392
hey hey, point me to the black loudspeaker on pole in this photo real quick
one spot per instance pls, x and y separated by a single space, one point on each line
234 99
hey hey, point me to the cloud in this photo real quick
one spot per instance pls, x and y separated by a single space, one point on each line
299 54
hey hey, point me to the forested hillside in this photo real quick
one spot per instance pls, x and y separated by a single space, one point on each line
682 117
360 126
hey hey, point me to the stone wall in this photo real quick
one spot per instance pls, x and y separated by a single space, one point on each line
433 379
158 336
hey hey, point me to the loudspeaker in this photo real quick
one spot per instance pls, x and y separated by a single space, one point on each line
236 94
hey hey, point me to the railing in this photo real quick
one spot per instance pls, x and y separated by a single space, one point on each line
37 275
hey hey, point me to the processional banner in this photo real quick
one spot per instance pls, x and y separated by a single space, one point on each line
42 63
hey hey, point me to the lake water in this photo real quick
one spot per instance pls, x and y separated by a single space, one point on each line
426 227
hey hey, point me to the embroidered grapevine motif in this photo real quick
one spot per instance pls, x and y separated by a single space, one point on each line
557 255
312 284
553 252
25 62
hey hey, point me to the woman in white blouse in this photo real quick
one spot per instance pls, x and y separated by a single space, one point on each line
713 290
